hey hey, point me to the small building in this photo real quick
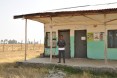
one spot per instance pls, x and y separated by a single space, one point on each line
88 33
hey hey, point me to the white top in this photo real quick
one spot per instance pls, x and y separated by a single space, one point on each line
61 48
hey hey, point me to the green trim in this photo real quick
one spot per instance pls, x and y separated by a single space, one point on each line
112 53
54 51
72 46
95 49
56 46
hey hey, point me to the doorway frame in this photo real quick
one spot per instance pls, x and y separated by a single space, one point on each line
65 30
75 41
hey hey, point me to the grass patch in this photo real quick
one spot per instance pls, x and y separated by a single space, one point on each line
68 69
10 71
78 73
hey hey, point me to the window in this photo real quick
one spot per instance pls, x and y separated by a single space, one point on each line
112 38
48 39
54 39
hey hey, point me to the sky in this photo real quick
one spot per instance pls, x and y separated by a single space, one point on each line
15 28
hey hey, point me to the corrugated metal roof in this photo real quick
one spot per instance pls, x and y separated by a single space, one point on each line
67 13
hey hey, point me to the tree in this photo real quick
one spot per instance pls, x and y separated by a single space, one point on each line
6 41
12 41
2 41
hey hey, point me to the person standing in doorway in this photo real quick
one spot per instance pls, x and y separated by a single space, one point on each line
61 47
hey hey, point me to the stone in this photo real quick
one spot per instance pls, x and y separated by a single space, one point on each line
56 74
61 73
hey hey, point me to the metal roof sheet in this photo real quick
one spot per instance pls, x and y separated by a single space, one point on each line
67 13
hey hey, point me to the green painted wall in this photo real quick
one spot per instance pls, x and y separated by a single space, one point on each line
112 53
95 49
54 51
72 46
56 47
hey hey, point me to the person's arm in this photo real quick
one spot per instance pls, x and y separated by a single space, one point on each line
58 43
64 43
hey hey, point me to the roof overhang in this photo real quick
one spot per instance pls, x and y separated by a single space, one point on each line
74 17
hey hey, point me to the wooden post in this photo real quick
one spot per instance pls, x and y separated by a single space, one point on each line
40 42
34 45
12 47
21 45
40 45
51 40
3 45
25 39
28 45
51 44
105 41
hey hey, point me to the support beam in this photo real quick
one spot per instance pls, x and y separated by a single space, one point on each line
105 41
92 19
111 20
51 40
25 39
51 44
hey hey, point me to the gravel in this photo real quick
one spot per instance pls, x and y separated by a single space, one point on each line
56 74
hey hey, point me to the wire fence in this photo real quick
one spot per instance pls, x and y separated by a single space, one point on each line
20 47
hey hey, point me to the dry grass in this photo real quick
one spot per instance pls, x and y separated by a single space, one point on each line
6 57
86 75
83 75
8 69
17 54
20 47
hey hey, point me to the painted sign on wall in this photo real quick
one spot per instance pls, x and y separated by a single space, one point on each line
96 36
90 36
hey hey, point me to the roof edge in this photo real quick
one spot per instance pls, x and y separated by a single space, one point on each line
53 14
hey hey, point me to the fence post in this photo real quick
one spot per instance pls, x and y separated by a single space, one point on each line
12 47
21 45
3 45
34 45
40 46
28 45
